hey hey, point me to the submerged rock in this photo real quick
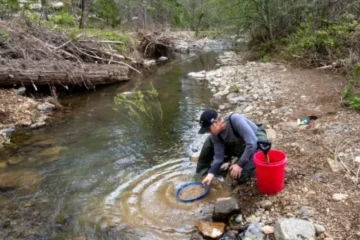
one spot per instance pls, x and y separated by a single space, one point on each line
22 179
16 159
51 152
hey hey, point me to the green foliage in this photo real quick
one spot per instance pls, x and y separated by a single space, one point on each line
4 36
209 34
141 106
108 10
235 88
63 17
352 100
9 7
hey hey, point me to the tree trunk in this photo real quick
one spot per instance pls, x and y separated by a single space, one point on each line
140 13
84 13
200 18
268 19
44 9
63 73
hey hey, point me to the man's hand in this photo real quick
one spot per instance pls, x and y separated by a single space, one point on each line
208 179
236 171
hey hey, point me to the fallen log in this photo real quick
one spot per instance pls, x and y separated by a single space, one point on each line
64 73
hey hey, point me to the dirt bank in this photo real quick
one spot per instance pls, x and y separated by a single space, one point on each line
277 95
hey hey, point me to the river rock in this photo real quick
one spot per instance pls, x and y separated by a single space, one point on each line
7 131
182 47
52 151
239 218
21 179
225 208
15 159
254 231
339 196
211 229
149 63
20 91
38 125
306 212
230 235
266 204
45 107
268 230
294 229
163 59
197 75
319 229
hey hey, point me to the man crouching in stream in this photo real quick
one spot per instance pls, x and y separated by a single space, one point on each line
233 136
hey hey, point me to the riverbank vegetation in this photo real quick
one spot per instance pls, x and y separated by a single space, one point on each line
321 34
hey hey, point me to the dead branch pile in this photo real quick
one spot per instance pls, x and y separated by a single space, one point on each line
155 45
45 53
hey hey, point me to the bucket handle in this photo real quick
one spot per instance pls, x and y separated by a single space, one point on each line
265 148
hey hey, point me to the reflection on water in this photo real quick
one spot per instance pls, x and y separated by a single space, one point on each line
105 177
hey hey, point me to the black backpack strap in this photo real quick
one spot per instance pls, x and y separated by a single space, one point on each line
232 127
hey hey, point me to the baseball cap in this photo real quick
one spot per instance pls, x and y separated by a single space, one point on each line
206 119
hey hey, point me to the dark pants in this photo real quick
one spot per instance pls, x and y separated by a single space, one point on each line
233 149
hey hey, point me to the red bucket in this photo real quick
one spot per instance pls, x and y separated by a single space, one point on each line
270 176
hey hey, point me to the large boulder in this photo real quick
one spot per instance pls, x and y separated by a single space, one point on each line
225 208
294 229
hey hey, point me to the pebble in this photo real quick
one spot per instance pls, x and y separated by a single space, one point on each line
339 196
266 204
268 230
248 109
239 218
319 229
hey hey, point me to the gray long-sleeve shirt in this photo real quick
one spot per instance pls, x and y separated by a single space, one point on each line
246 129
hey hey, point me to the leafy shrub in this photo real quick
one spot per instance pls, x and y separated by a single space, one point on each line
63 18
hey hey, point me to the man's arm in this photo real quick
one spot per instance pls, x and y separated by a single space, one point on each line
246 132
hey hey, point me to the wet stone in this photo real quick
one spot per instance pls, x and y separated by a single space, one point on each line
211 229
53 151
22 179
225 208
16 160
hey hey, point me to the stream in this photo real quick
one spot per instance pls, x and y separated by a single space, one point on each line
105 174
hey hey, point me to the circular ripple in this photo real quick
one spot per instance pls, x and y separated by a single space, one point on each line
148 202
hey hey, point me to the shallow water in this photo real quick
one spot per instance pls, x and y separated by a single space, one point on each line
108 175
